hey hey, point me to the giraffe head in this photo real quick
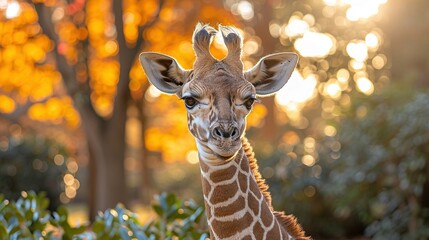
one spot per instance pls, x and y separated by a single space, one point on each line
218 94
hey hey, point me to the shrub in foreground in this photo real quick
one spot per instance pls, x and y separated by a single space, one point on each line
29 218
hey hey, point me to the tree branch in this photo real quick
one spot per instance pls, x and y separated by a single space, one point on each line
128 55
147 25
67 71
79 92
124 52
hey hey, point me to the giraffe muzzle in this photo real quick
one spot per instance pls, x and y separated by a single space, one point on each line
223 133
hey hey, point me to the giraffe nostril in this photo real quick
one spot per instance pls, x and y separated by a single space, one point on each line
217 132
234 132
221 133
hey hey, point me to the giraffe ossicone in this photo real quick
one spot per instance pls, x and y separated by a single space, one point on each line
218 95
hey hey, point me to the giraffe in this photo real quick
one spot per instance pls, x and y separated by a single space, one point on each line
218 96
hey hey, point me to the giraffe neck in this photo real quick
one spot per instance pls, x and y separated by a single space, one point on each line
235 206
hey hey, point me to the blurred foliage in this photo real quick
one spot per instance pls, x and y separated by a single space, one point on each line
175 219
60 220
184 179
371 177
29 218
32 162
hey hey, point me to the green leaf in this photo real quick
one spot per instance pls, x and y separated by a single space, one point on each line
3 231
159 211
123 232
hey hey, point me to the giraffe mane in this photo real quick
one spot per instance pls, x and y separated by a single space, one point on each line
255 170
289 222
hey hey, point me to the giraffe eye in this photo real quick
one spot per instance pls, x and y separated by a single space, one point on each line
249 103
190 102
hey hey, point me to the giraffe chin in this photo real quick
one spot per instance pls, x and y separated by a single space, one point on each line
225 151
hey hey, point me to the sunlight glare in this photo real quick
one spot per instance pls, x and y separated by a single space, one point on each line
343 75
314 44
365 85
245 9
372 40
3 4
13 9
357 50
362 9
333 89
358 9
330 2
296 27
357 65
297 91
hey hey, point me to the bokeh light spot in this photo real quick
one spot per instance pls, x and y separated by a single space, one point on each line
357 50
330 131
13 10
192 157
365 85
314 44
308 160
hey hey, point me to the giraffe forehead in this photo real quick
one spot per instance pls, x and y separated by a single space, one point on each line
218 74
217 87
218 67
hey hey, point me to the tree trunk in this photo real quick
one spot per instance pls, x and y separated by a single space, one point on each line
106 145
146 190
105 136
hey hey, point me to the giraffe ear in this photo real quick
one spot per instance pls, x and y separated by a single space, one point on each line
164 72
272 72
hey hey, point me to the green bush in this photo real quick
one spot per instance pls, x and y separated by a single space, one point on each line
371 178
27 163
385 162
29 218
26 218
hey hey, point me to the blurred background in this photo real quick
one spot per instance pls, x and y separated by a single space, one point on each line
344 145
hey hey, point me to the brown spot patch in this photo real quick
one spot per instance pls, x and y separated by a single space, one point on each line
242 181
229 228
255 189
206 186
253 204
223 192
204 167
244 165
258 231
222 175
266 215
274 233
232 208
247 237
